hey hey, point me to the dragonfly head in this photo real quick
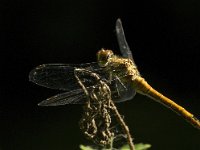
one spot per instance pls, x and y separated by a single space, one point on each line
103 57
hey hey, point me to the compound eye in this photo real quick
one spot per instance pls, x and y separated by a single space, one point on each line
103 57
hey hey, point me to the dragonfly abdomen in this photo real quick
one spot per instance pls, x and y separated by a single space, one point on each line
144 88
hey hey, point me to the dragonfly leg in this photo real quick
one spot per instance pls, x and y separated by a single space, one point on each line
121 83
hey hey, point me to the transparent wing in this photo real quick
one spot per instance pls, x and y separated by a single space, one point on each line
121 91
71 97
79 97
60 76
129 93
123 45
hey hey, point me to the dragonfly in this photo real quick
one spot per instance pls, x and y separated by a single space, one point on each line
120 72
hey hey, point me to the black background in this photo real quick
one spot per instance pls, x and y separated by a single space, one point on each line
163 35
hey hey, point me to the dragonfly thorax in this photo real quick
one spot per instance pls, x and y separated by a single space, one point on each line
123 67
116 66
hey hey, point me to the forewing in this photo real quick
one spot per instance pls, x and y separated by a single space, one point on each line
60 76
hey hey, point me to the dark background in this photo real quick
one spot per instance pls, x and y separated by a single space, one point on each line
163 35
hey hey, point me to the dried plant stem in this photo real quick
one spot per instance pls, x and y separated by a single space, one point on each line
124 126
101 104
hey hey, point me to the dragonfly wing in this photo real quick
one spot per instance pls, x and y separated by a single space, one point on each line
121 91
123 45
59 76
72 97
